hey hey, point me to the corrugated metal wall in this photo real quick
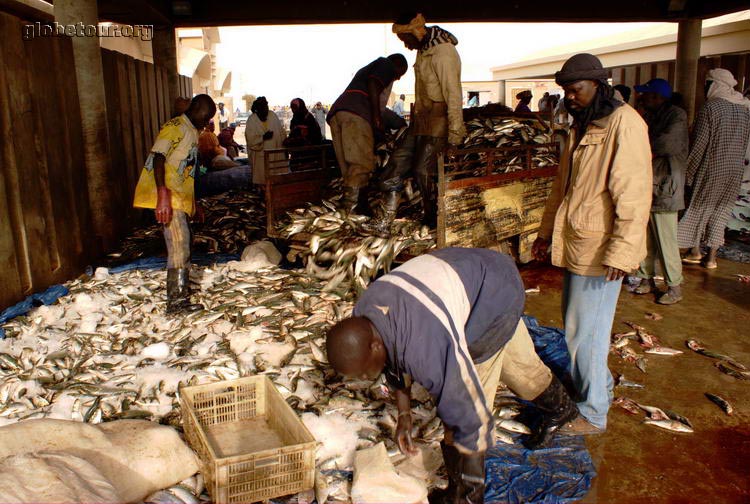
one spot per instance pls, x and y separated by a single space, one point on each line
45 225
738 64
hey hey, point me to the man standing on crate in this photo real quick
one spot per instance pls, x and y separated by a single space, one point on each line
438 115
356 119
595 225
167 185
451 321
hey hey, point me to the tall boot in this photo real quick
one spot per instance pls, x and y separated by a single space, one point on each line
363 202
178 292
382 225
349 199
429 201
465 478
556 410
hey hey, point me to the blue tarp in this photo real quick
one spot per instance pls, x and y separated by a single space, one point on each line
559 473
47 297
57 291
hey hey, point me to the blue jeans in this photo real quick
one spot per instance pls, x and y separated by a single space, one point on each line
588 306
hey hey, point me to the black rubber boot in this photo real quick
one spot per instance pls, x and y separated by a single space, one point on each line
363 202
556 410
429 200
465 478
382 225
349 200
178 292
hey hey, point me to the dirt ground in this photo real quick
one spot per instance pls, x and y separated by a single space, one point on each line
639 463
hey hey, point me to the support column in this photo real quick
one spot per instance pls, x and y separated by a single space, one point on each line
91 97
164 48
686 67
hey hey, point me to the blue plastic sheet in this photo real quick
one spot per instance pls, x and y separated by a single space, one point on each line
559 473
47 297
160 262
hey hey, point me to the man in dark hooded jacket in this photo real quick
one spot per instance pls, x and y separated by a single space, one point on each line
668 133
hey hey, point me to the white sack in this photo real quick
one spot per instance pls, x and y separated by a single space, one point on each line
53 478
377 481
137 456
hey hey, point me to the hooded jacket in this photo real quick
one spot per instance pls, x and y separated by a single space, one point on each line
668 133
438 105
599 206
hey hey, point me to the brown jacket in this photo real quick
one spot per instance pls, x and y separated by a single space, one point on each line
598 210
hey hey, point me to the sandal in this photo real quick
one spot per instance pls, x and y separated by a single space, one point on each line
710 265
692 260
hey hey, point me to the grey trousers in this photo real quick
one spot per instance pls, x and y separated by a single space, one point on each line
662 247
177 237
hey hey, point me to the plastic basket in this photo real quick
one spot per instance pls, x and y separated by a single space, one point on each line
251 443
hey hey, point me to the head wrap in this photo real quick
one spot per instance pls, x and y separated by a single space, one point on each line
581 67
588 67
722 86
414 27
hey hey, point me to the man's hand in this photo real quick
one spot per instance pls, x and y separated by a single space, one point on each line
614 274
163 205
454 138
540 249
268 135
200 214
403 434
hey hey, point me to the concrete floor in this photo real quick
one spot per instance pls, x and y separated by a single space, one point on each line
639 463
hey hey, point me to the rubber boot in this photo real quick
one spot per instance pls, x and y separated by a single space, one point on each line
465 478
382 225
429 202
178 292
363 202
556 408
349 199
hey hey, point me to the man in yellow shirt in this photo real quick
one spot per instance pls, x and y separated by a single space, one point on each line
167 185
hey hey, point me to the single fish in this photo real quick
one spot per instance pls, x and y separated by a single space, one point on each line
660 350
671 425
721 403
513 426
731 371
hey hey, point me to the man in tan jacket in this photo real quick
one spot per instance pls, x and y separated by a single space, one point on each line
438 114
595 222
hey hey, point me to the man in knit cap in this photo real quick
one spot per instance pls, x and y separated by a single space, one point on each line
594 225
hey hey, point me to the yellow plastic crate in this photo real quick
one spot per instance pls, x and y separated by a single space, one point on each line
251 443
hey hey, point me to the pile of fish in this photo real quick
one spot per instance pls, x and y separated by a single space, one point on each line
107 351
343 250
232 220
512 135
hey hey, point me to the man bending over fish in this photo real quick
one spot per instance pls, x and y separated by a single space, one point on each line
451 321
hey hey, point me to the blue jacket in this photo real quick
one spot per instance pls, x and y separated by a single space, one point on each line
438 315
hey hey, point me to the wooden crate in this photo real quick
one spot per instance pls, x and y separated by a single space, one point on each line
290 186
251 444
488 210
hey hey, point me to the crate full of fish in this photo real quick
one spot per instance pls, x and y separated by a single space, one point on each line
251 444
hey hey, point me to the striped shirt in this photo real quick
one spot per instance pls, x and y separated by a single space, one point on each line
438 315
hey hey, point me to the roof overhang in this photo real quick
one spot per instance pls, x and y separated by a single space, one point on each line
211 13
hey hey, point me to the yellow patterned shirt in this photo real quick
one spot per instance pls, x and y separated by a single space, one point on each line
178 142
